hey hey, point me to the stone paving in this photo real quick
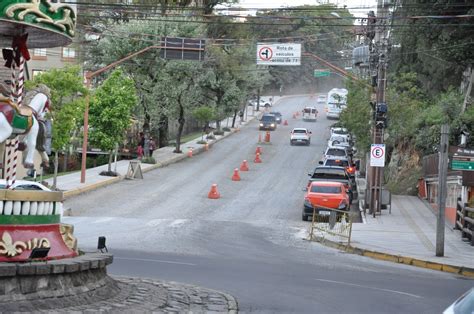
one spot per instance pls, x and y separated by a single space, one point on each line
137 295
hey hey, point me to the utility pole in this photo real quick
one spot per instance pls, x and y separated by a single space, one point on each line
379 51
442 191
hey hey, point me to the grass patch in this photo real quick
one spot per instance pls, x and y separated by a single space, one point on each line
186 138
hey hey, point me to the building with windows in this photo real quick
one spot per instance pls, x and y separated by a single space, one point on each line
53 58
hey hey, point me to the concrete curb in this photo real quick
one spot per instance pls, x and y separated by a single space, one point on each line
90 187
400 259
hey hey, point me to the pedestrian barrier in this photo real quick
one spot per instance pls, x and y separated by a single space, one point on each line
335 224
134 170
465 221
213 193
236 176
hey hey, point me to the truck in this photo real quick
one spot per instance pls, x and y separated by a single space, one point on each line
336 102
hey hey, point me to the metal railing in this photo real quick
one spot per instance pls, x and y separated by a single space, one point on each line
336 224
465 221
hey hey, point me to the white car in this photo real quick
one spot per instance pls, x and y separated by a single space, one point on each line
27 207
300 136
321 99
263 104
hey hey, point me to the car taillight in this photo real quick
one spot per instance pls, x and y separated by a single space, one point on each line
350 169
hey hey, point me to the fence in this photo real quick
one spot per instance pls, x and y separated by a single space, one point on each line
335 224
465 221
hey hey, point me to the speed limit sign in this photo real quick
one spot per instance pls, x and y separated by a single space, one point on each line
377 155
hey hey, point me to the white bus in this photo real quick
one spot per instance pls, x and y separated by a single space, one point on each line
336 102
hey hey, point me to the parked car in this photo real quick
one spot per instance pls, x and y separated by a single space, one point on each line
321 99
25 185
310 114
277 115
322 196
463 305
340 162
263 103
335 174
300 136
27 207
341 132
268 122
336 152
350 169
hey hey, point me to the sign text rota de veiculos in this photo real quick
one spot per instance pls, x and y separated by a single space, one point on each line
278 54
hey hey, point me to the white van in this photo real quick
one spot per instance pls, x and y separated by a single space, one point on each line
310 114
337 101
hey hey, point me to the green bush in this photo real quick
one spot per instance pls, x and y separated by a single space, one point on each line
149 160
218 132
201 142
226 129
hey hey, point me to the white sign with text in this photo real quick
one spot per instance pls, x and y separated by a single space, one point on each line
278 54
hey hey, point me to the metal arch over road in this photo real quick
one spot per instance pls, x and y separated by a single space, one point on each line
249 242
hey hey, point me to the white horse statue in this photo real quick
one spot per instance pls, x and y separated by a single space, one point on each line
23 120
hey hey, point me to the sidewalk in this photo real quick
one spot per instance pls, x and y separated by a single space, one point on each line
71 186
408 236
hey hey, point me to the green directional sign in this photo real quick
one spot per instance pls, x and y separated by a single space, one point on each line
322 73
462 165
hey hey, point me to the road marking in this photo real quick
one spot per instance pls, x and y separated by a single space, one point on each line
372 288
153 260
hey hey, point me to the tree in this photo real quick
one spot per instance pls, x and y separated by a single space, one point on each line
67 98
110 112
179 88
204 114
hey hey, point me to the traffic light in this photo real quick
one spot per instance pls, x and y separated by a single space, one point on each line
371 21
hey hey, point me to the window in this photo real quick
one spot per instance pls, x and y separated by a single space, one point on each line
69 53
39 52
326 189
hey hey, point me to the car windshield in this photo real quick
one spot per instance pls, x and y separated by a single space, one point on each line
268 118
335 152
277 114
329 173
307 110
336 162
299 131
326 189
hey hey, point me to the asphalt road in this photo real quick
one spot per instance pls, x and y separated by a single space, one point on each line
249 243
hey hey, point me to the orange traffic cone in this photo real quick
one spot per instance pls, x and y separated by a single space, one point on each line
267 137
259 137
244 166
297 113
190 152
236 176
257 158
285 123
258 150
206 146
294 116
213 193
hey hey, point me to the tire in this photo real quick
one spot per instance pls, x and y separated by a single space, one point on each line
304 217
291 143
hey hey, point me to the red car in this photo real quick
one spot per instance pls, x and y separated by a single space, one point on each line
324 196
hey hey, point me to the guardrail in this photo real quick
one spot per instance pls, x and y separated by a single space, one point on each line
338 224
465 221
